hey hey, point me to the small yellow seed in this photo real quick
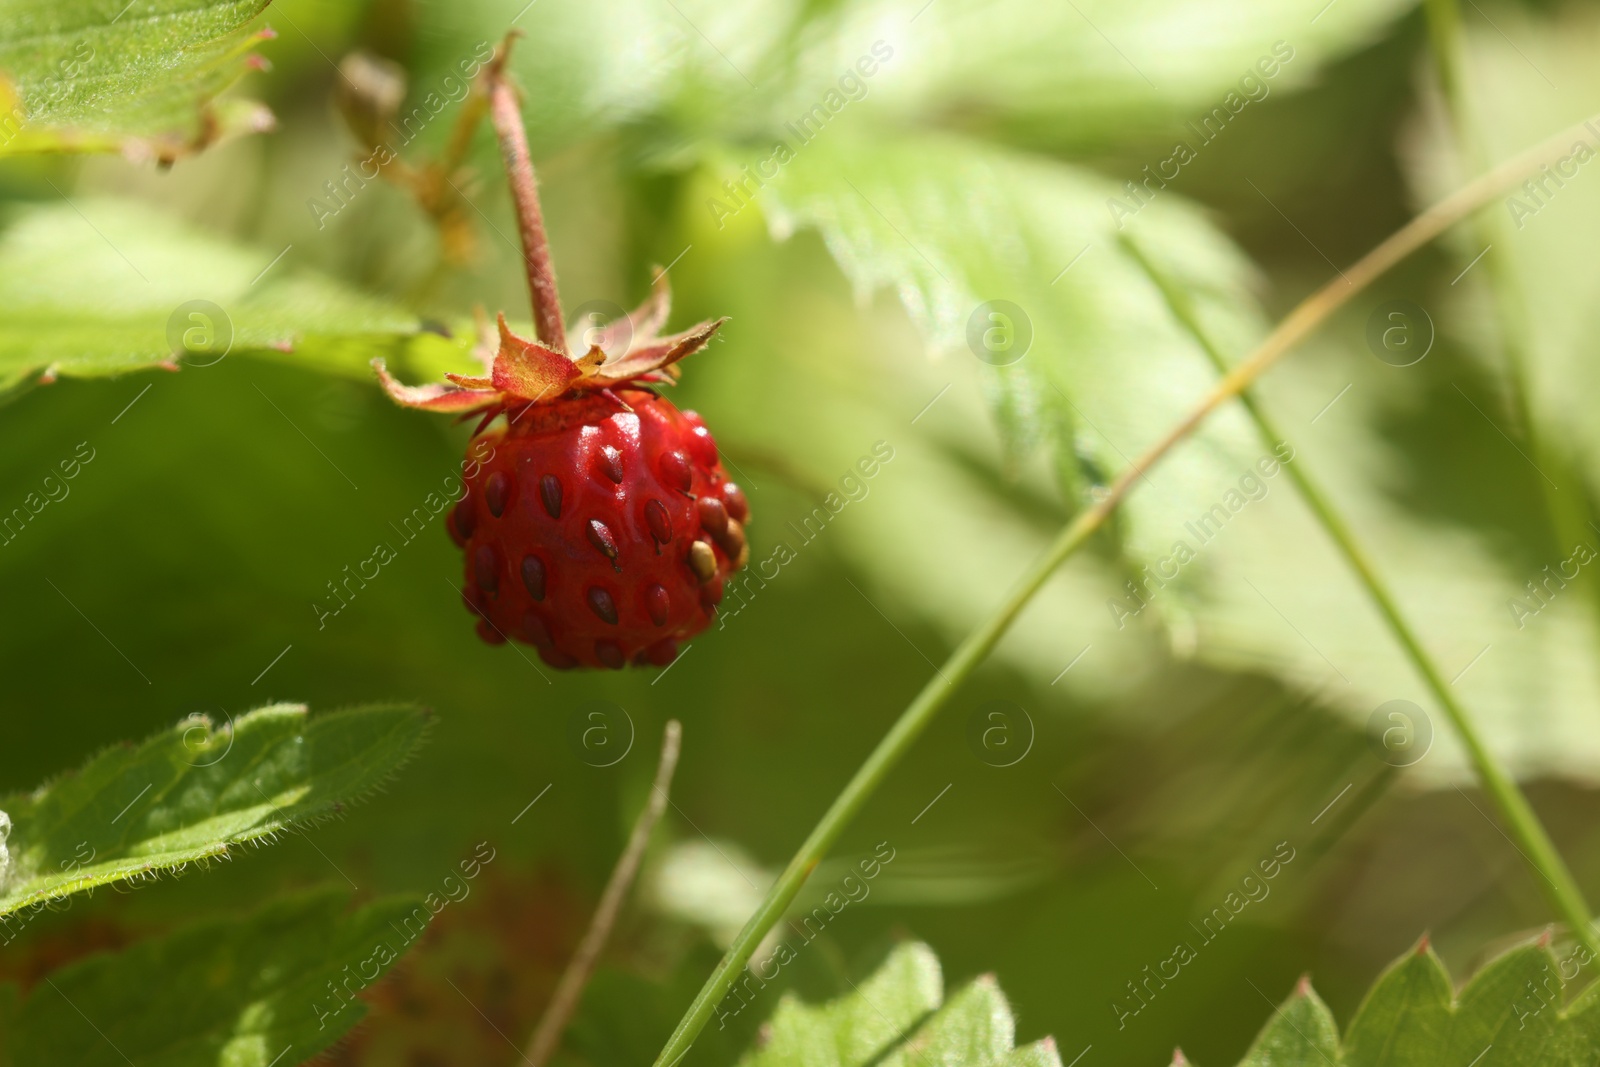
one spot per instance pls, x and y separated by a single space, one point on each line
702 561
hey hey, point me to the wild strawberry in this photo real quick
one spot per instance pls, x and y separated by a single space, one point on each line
601 527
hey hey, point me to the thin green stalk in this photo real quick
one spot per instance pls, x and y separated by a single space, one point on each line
1527 832
1294 328
1567 508
894 745
569 991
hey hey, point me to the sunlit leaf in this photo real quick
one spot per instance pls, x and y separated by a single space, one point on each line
99 287
81 76
1013 262
1084 73
899 1018
603 65
193 793
1081 362
948 225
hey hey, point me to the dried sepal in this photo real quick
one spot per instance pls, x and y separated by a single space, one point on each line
527 370
436 396
657 354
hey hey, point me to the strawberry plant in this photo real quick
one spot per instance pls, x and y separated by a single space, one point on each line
1144 446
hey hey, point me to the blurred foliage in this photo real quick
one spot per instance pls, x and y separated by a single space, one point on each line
77 77
1169 757
245 992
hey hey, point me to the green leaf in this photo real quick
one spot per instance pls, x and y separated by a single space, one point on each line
1412 1017
275 987
1485 593
1547 221
899 1018
98 287
1085 73
900 213
1301 1030
947 224
82 76
707 66
944 223
189 794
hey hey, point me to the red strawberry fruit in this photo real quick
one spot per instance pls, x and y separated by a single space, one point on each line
601 527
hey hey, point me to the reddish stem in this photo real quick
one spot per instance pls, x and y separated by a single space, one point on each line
507 119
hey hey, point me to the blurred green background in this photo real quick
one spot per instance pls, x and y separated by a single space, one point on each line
178 574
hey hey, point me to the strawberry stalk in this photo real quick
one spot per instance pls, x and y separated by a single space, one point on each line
548 323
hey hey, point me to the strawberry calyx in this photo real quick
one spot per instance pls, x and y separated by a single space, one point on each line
526 371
